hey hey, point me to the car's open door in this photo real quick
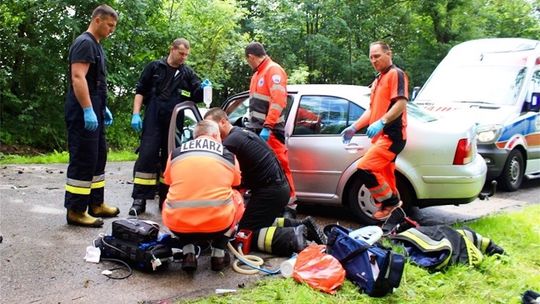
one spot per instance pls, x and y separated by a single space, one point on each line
183 120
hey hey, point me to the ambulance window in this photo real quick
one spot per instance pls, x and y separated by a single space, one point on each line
532 101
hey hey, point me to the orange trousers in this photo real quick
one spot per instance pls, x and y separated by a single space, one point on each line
281 151
377 168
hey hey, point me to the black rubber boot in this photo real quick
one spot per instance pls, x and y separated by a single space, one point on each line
314 232
283 241
138 207
289 213
493 248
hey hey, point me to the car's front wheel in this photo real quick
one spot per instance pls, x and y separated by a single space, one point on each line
513 170
361 202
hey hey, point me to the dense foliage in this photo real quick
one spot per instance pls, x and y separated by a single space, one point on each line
316 42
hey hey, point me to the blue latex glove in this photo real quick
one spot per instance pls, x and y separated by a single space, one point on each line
90 119
265 134
136 122
348 134
206 83
375 128
108 117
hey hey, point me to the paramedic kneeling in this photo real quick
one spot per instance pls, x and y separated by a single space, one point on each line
270 192
201 203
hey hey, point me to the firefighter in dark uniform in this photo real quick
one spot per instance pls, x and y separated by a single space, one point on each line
270 192
86 114
163 84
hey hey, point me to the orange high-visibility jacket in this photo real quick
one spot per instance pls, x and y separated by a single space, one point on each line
201 174
268 96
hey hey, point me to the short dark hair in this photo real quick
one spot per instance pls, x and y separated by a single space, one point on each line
180 41
104 10
216 114
384 46
255 48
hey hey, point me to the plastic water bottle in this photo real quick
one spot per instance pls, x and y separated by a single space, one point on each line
287 267
207 95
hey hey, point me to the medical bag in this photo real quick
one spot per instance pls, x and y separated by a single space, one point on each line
138 243
374 269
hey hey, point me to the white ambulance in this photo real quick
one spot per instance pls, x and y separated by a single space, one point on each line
494 83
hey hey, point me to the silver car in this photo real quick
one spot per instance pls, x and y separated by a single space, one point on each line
439 165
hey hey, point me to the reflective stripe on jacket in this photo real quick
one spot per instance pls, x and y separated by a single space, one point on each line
201 174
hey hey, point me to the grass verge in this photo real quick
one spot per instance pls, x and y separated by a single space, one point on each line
60 157
499 279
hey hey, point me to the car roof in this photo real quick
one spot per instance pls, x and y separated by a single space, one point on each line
351 92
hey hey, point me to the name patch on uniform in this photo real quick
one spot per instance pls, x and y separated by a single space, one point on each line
276 78
202 144
260 82
185 93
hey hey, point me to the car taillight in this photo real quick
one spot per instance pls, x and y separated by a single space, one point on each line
464 152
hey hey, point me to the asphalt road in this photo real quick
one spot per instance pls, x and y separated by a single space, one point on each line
41 257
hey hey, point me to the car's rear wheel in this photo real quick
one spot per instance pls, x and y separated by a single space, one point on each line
361 202
512 173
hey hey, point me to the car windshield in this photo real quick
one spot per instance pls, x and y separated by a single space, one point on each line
413 110
497 85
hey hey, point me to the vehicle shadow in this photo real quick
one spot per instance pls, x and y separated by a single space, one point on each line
326 215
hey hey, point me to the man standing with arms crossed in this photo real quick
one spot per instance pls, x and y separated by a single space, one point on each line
387 120
267 101
86 114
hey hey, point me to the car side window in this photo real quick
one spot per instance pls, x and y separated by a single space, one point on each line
326 115
185 124
238 110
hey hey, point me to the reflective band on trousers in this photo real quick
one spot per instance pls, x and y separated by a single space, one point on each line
198 203
146 182
78 190
147 179
279 222
264 242
98 181
76 186
382 192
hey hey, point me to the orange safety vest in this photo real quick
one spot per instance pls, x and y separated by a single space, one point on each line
201 174
268 96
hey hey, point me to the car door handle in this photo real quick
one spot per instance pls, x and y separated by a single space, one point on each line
352 147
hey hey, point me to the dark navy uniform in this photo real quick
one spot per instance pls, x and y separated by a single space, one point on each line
87 149
163 87
262 174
